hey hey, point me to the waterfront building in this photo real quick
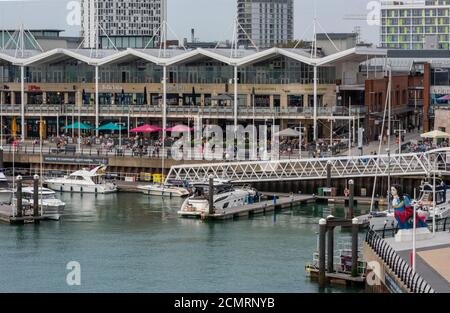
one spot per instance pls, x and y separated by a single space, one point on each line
415 25
122 23
47 39
273 86
266 23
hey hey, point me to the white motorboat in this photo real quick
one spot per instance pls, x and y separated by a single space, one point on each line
52 207
442 209
424 206
164 190
225 197
83 181
6 193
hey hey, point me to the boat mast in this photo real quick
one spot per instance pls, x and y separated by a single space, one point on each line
389 137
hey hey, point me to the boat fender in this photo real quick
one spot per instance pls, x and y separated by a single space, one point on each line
81 189
71 189
61 188
95 190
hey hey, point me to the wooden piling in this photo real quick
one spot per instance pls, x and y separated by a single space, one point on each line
211 195
355 229
322 232
36 197
330 246
351 198
19 197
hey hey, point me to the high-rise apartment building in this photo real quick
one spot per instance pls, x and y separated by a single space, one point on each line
266 22
122 23
415 24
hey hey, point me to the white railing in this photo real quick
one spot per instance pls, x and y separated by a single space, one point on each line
410 164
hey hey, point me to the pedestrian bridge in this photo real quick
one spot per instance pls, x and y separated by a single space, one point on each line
398 165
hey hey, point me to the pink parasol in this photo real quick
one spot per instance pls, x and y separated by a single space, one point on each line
444 98
146 129
180 128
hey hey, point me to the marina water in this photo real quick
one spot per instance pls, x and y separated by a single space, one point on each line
134 243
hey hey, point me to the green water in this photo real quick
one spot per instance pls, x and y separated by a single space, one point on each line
135 243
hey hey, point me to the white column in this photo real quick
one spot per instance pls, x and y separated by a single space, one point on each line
164 118
22 105
235 100
315 103
97 109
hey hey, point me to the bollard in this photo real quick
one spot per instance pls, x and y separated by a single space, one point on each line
322 231
211 195
351 200
36 196
2 165
328 175
355 229
330 246
19 197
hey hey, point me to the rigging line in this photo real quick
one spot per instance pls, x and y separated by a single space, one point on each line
176 36
304 33
158 31
326 34
380 144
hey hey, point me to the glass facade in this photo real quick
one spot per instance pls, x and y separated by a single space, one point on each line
279 70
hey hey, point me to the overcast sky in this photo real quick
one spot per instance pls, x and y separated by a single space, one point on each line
212 19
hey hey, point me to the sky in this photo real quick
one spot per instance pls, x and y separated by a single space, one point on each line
212 19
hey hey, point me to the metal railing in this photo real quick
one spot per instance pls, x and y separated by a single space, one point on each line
175 110
413 281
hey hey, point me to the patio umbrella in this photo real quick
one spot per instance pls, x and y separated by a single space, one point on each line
435 134
444 98
145 96
194 96
180 128
112 127
146 129
14 127
289 132
77 125
83 96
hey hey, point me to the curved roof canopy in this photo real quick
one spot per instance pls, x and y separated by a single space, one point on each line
176 56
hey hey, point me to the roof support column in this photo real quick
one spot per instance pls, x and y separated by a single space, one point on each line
164 119
97 108
22 101
235 101
315 103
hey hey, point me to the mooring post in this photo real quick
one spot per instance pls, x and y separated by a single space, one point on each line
322 231
2 166
19 197
351 201
328 174
330 247
36 197
355 229
211 195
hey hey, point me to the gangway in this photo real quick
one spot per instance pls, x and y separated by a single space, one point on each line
398 165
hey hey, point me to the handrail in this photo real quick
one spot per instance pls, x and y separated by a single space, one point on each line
413 281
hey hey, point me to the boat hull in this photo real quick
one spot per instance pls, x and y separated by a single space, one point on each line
95 189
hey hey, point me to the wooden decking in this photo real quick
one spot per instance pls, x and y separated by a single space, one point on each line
262 207
6 216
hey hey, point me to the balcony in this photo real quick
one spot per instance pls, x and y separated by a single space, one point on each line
215 112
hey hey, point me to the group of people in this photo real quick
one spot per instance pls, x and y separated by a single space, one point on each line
427 145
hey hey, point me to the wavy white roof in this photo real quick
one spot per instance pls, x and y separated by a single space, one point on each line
174 57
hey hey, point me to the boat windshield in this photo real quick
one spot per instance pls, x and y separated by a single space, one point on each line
426 197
